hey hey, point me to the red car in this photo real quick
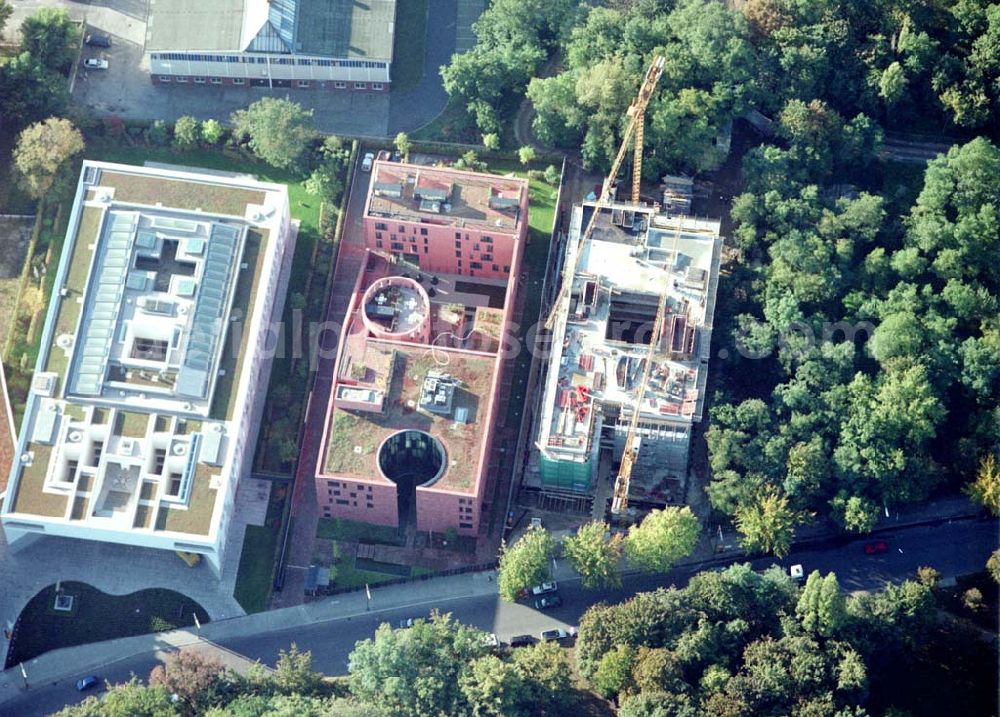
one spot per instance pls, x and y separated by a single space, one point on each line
878 546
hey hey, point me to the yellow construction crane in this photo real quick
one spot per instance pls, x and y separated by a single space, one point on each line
637 117
619 500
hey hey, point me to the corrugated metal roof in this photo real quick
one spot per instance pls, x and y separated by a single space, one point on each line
345 28
328 28
175 25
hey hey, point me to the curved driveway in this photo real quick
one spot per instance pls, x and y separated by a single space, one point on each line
411 109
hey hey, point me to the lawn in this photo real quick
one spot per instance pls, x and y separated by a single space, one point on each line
21 354
408 44
304 206
255 575
97 616
350 530
350 572
344 575
541 216
453 125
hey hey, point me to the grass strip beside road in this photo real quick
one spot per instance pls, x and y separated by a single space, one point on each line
255 575
350 530
541 218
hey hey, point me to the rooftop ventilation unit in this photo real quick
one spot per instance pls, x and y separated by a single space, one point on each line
499 202
388 189
438 194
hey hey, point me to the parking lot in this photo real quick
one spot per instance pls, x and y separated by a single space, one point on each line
125 89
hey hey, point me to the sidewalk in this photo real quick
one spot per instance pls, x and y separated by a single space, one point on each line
83 659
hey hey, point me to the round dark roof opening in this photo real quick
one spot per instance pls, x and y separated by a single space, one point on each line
412 456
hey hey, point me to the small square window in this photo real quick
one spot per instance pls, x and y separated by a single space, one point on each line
164 78
199 80
215 80
376 85
182 80
340 85
360 85
302 83
238 81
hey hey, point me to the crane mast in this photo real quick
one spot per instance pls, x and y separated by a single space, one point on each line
619 501
635 129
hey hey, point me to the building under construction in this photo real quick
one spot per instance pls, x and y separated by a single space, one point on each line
634 258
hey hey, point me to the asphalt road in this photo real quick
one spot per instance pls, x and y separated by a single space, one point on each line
953 547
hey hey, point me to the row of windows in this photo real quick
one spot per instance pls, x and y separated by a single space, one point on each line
483 239
394 237
340 501
242 81
262 60
344 484
399 246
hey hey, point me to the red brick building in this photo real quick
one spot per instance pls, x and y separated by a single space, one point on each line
410 426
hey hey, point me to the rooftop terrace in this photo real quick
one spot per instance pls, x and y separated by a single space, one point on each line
385 386
445 197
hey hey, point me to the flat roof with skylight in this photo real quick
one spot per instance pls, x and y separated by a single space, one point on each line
139 392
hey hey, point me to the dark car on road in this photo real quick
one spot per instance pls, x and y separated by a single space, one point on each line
879 546
522 641
97 39
88 682
548 601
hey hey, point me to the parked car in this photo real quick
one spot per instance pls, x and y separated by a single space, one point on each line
367 161
87 683
544 588
490 639
556 633
97 39
536 523
548 601
406 624
879 546
95 63
522 641
796 572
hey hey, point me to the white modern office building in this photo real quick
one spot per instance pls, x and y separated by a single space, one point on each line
146 397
